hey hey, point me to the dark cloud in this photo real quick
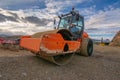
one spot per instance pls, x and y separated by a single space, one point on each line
4 18
37 21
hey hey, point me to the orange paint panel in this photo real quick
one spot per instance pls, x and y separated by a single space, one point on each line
32 44
73 45
53 42
53 45
85 35
56 42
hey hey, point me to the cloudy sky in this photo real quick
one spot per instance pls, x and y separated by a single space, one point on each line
103 16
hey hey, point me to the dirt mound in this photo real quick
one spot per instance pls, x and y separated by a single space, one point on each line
116 40
36 35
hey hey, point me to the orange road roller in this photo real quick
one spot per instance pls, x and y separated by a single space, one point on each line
59 45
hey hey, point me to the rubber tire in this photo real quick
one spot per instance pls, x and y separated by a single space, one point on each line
86 47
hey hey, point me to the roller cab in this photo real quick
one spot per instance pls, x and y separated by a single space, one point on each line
59 45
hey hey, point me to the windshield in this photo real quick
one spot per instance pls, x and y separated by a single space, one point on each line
71 23
66 22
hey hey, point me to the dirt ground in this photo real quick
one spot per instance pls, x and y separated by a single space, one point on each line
23 65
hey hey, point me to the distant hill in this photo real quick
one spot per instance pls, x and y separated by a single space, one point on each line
116 40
